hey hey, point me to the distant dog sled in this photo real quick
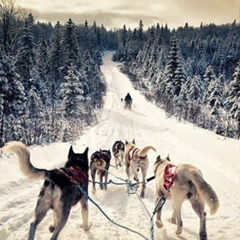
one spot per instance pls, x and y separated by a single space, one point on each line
179 183
128 101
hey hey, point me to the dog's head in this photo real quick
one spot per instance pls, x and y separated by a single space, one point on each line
118 145
160 160
106 155
78 159
130 144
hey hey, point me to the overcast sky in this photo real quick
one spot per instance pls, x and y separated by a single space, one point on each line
116 13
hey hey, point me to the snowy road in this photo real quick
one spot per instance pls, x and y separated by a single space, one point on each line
217 157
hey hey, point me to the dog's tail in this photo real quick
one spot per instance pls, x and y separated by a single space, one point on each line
26 166
207 192
145 150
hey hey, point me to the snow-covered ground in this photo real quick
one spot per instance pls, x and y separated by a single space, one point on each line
216 156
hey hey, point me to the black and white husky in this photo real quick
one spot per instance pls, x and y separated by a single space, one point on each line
59 191
118 152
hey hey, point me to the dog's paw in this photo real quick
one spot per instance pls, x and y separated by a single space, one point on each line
179 231
159 224
94 190
142 195
86 227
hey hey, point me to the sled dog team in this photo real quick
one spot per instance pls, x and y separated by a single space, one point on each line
68 185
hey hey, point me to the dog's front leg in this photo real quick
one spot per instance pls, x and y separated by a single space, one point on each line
84 205
93 173
128 170
106 179
32 231
116 161
101 180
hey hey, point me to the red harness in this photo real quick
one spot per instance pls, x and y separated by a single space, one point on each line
76 175
170 174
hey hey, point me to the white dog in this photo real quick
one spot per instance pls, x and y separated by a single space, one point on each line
178 183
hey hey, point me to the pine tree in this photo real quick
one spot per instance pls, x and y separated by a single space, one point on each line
70 46
43 68
56 60
72 94
34 118
174 76
25 59
12 100
196 89
209 82
232 102
215 100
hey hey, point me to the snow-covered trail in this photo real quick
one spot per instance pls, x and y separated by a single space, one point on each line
217 157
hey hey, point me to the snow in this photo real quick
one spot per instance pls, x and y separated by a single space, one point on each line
216 156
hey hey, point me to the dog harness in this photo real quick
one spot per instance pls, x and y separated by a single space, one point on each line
76 174
131 155
170 174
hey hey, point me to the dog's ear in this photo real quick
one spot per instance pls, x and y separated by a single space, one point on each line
168 158
70 152
133 141
86 151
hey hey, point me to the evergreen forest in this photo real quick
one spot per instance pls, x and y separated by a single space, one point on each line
51 86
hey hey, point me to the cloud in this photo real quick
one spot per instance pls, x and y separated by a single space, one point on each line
115 13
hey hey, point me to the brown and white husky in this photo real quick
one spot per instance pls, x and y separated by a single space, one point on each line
135 159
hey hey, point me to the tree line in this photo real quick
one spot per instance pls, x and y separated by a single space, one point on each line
50 78
192 73
52 87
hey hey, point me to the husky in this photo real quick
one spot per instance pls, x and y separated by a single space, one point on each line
179 183
118 152
136 159
100 163
59 191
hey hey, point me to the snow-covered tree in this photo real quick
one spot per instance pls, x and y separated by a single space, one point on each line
232 102
196 89
34 118
173 75
209 78
25 59
72 94
56 60
215 99
70 45
12 96
43 68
